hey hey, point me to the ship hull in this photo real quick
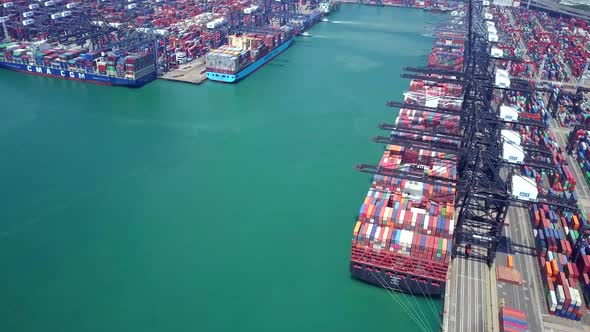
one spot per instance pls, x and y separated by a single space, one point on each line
77 76
401 282
227 78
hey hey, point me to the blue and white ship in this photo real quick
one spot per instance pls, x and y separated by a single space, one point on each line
78 64
232 78
80 75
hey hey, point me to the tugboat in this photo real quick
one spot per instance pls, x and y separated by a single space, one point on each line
325 19
305 34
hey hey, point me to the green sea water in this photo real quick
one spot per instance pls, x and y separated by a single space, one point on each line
204 208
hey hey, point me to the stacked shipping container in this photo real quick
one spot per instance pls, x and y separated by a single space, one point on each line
512 320
245 49
403 237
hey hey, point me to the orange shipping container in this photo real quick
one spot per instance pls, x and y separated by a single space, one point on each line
554 268
510 262
356 228
548 270
370 211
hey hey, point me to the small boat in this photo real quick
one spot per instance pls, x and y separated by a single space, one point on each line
325 19
305 34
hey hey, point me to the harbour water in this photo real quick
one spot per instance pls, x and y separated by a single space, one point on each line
205 208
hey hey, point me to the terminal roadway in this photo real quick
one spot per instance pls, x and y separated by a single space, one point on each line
468 298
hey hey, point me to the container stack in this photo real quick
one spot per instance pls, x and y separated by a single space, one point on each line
556 234
582 152
405 223
512 320
244 49
227 60
583 265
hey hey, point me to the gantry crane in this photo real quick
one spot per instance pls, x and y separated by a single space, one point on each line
487 183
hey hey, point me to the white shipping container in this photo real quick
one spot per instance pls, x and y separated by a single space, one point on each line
560 295
388 212
410 238
34 6
28 21
401 216
49 3
28 14
55 16
132 6
8 4
552 300
377 234
386 235
574 294
66 13
368 233
71 5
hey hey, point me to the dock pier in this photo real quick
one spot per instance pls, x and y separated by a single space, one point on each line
192 72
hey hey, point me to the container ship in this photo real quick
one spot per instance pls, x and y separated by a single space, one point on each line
403 237
106 68
246 53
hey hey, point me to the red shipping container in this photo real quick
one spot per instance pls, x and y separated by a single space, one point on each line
573 282
568 296
576 271
550 284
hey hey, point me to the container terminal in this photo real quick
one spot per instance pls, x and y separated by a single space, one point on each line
130 43
481 195
482 192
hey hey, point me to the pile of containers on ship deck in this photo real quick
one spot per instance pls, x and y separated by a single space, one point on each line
77 59
447 52
555 231
413 219
244 49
